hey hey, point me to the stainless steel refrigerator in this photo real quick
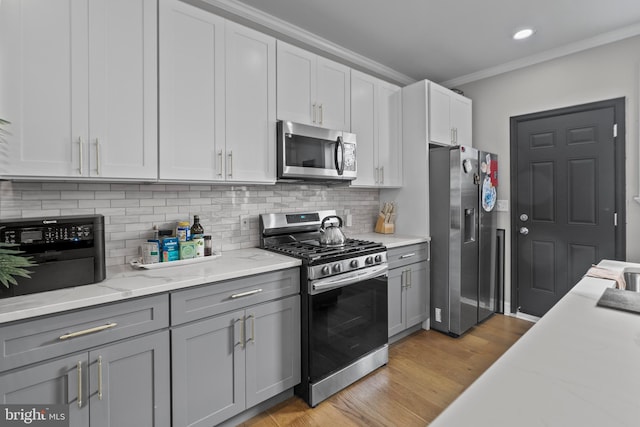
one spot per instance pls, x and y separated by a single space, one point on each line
462 199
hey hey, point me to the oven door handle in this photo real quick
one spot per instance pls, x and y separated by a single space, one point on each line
347 279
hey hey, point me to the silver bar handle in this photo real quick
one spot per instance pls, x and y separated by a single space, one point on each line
221 162
349 278
376 174
409 280
321 113
97 156
313 114
88 331
382 173
79 369
241 342
412 254
246 294
100 377
230 163
80 154
253 324
403 283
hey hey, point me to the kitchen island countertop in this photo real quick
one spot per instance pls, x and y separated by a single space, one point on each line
578 366
124 282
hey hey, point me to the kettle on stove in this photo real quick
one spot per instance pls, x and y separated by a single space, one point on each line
332 235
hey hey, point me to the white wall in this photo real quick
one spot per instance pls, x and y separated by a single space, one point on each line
605 72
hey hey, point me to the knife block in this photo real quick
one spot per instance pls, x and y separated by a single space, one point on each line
384 227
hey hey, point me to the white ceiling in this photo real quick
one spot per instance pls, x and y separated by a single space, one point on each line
456 41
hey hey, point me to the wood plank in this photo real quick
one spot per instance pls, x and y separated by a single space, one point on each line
426 372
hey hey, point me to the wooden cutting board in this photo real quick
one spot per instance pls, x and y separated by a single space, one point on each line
620 300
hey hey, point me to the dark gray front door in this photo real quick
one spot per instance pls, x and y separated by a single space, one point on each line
565 199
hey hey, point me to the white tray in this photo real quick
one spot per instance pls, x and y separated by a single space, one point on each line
139 265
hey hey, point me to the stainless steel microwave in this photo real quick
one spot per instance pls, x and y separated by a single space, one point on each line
313 153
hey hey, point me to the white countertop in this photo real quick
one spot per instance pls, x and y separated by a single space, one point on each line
390 240
124 282
578 366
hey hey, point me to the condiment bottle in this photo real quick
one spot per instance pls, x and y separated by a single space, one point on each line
196 228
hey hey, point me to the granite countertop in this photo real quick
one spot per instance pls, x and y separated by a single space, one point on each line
578 366
389 240
124 282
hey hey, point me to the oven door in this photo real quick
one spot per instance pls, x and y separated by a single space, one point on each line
308 152
345 323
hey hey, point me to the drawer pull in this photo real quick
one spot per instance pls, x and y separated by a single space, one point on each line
246 294
408 255
88 331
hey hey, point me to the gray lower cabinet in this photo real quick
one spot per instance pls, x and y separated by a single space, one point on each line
226 363
109 364
123 384
408 287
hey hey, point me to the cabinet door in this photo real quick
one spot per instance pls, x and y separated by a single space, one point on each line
54 383
123 136
272 332
364 124
396 300
192 98
129 383
251 105
43 81
296 84
417 294
440 131
334 95
389 157
208 371
461 114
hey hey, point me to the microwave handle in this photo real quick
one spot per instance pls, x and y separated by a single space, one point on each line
339 146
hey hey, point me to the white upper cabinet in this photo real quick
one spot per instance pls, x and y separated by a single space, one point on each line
217 98
312 90
449 117
376 120
192 93
79 85
251 105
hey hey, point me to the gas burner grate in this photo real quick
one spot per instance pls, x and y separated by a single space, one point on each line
312 250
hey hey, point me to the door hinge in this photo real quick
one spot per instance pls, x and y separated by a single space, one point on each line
615 219
615 130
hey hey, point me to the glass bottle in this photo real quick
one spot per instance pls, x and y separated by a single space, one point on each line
196 228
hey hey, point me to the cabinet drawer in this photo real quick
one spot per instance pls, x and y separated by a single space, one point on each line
398 257
216 298
39 339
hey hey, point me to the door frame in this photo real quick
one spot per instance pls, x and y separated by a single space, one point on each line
618 105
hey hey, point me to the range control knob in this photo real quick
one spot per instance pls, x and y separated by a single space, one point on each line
325 270
354 263
337 268
378 258
368 260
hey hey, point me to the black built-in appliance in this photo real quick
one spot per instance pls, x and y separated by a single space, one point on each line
344 302
68 251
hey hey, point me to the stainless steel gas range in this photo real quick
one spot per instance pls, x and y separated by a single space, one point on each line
344 302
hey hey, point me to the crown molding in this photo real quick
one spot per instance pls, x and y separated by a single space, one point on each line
306 38
602 39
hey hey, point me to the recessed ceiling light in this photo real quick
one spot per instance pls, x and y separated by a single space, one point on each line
523 34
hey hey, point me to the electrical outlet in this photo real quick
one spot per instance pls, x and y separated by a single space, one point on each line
245 222
349 220
438 315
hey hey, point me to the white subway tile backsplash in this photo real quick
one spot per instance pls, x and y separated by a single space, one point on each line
131 210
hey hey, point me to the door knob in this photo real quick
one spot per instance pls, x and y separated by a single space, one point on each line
524 230
524 217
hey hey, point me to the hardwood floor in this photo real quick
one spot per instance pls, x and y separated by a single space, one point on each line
426 372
